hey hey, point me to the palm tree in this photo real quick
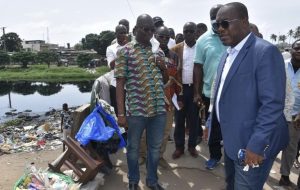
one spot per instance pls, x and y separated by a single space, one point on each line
297 33
282 38
273 37
290 35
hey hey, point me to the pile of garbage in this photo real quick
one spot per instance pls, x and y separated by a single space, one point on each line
38 134
34 179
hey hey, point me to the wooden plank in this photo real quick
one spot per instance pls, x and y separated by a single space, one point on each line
78 117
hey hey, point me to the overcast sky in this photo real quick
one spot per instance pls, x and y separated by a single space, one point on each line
70 20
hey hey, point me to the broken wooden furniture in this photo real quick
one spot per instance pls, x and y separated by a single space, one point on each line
76 158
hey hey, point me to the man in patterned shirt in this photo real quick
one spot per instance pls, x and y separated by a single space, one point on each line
141 70
171 87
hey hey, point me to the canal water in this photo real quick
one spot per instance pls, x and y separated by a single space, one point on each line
41 97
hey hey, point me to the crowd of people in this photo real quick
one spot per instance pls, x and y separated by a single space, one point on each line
246 94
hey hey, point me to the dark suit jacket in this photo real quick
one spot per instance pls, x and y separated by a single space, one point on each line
252 100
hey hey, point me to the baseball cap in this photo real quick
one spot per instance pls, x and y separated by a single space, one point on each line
157 19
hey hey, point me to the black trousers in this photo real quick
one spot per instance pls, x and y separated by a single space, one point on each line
113 100
187 115
215 138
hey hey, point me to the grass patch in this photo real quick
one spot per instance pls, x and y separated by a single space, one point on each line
9 123
44 74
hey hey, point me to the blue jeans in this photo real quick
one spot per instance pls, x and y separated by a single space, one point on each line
154 127
254 179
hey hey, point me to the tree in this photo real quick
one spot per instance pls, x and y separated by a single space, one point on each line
91 41
273 37
23 57
106 37
297 33
47 57
84 59
98 43
290 35
12 42
4 58
78 46
282 38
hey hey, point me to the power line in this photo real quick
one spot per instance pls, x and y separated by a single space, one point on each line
130 8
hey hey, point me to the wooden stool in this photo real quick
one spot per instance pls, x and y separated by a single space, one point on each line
74 154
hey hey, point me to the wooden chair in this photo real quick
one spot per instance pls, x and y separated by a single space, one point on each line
76 156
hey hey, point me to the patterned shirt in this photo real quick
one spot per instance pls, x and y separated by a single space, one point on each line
173 85
144 84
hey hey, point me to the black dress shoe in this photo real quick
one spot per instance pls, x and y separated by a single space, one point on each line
156 187
284 181
133 186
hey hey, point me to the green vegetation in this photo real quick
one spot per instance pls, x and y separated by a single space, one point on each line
4 58
23 57
44 74
46 57
84 59
12 42
13 122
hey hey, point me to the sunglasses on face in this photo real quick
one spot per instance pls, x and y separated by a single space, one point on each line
189 31
122 33
146 30
163 37
224 24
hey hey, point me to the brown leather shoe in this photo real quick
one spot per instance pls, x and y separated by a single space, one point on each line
177 153
193 152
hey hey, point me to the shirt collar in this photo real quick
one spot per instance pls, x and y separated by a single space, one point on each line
185 45
239 46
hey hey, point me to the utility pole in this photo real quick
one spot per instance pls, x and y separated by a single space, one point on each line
5 50
4 43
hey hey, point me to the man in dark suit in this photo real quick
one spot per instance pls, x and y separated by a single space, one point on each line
249 100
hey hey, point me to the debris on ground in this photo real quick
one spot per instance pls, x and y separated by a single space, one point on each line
31 133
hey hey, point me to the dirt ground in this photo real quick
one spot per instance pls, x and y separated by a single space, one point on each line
12 165
185 173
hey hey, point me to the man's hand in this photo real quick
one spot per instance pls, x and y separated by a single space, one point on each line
197 100
180 104
161 64
112 64
122 121
296 122
253 159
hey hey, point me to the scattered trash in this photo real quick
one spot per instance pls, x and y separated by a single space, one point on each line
1 139
26 128
24 135
37 179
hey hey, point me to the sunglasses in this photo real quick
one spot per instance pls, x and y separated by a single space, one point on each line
163 37
122 33
189 31
224 24
146 30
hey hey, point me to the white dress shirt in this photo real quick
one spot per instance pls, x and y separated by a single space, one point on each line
232 53
111 54
171 43
188 64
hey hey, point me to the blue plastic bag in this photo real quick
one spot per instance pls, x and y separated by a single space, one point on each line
94 128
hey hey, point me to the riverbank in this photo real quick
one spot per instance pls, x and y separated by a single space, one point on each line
42 73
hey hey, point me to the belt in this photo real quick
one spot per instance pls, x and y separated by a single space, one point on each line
189 85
